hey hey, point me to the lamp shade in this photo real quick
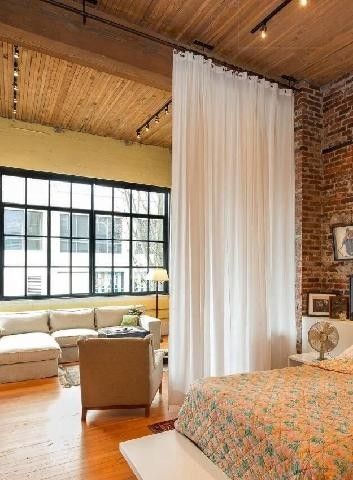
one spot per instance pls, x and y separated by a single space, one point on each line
158 275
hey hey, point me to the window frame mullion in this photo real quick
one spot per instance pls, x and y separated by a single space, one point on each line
126 270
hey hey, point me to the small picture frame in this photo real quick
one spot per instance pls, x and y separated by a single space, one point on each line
319 304
339 306
342 242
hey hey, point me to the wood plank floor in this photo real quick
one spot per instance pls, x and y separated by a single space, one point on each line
42 437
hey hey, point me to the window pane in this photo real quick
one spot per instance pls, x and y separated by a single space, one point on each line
157 203
121 280
14 252
103 280
156 229
60 252
60 281
36 222
13 189
80 225
103 198
81 196
80 280
140 228
80 253
139 280
122 228
103 252
139 254
60 194
37 191
37 281
14 221
139 201
121 253
121 200
103 226
14 282
36 251
156 255
60 224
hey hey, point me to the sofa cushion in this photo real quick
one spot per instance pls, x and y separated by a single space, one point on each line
112 316
28 347
70 337
23 322
71 318
130 320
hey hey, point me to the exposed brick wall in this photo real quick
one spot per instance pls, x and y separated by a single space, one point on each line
308 139
324 187
337 178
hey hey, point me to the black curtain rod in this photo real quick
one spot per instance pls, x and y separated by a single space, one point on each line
168 43
337 146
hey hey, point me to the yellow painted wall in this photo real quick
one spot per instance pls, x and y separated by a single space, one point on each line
36 147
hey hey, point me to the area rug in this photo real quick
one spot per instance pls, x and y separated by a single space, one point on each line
69 375
162 426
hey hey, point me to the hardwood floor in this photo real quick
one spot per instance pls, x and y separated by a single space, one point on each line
42 437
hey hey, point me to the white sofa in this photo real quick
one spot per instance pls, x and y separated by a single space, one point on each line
33 343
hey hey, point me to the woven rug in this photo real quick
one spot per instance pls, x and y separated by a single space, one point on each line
69 375
162 426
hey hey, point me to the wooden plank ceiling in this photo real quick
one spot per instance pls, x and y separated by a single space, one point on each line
62 94
313 43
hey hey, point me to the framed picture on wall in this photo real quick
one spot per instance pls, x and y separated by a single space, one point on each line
319 304
342 242
339 307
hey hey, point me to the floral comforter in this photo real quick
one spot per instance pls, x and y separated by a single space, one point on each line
293 423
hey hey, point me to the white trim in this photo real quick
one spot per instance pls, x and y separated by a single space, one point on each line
168 455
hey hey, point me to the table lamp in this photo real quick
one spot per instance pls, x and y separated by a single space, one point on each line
158 275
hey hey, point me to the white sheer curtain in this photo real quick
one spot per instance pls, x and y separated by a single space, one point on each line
232 224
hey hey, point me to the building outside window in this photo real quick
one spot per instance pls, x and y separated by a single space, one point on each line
63 236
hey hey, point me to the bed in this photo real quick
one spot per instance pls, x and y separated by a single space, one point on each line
293 423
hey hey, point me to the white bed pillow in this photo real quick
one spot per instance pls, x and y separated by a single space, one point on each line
347 353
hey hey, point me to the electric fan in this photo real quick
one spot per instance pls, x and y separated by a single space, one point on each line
323 337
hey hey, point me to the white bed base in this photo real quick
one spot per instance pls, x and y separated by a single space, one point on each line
168 455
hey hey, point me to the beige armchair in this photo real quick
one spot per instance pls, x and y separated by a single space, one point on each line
119 373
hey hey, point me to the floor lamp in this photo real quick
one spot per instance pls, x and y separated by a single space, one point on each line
158 275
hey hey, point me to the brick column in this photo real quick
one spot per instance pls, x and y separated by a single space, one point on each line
309 184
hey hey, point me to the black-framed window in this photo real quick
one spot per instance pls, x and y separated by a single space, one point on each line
73 236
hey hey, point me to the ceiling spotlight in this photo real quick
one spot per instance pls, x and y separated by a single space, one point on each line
15 87
263 31
303 3
16 55
147 127
166 110
15 73
156 120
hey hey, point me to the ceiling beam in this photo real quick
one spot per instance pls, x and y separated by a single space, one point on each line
45 28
